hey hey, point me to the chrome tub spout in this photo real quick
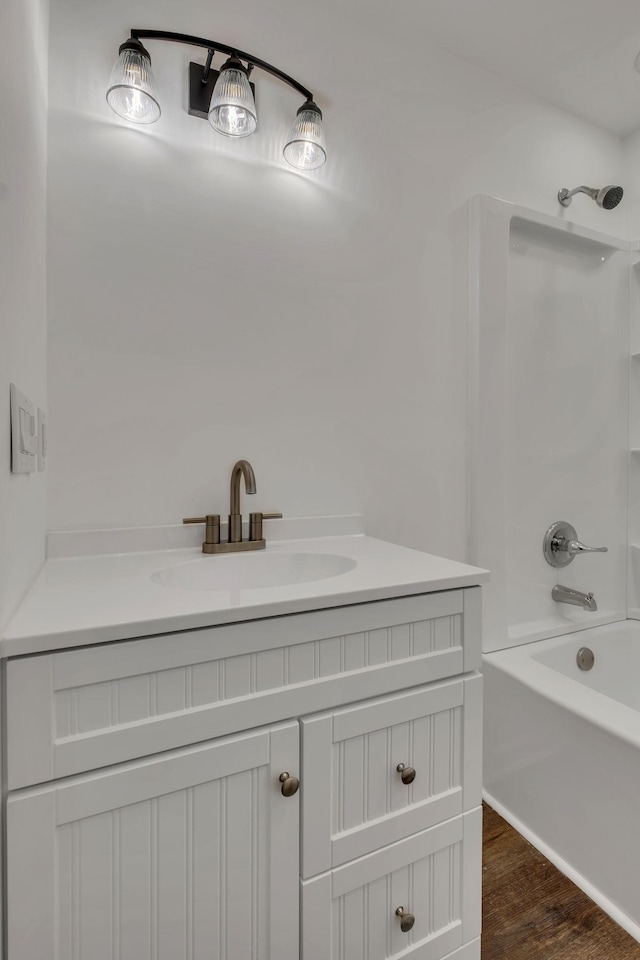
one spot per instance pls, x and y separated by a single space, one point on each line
569 595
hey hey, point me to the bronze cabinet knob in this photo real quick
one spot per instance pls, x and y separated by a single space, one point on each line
290 785
407 920
407 774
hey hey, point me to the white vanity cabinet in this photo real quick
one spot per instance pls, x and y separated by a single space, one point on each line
145 815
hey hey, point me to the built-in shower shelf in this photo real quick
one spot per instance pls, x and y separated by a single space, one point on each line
635 450
636 355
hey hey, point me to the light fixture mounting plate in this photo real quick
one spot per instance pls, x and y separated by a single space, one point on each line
200 93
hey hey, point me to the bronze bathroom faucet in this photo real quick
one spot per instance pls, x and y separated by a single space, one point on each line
235 543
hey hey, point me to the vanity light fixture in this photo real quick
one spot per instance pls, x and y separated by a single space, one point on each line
224 97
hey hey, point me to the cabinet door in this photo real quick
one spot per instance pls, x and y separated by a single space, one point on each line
192 855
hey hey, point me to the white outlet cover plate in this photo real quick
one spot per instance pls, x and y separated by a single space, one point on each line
23 432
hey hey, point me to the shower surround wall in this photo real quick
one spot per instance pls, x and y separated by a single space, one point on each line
206 304
632 159
550 429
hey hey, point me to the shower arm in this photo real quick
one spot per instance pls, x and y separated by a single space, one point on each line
565 195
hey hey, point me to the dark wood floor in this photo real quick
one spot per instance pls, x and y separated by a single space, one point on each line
531 911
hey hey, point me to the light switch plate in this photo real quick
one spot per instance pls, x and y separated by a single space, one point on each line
42 439
23 432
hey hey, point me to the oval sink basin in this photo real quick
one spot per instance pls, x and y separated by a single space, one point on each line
253 571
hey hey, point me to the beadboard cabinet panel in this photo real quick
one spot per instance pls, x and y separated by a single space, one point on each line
354 799
190 856
81 709
434 875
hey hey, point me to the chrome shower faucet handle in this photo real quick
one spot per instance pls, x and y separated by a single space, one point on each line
561 544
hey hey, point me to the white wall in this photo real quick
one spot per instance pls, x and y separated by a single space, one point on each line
23 113
207 304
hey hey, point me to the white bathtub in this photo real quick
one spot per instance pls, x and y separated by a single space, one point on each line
562 757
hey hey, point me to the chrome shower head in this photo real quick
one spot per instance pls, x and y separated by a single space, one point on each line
607 197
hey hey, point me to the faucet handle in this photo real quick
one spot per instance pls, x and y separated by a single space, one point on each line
212 534
255 523
574 547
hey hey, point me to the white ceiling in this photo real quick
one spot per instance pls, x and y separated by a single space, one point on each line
578 54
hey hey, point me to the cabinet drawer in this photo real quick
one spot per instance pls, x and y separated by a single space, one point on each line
82 709
435 875
354 799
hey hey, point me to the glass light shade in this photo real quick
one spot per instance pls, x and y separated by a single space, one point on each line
233 109
306 147
132 92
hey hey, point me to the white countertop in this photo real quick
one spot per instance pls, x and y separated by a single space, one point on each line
93 599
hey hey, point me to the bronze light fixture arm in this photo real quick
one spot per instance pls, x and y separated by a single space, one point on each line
214 47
